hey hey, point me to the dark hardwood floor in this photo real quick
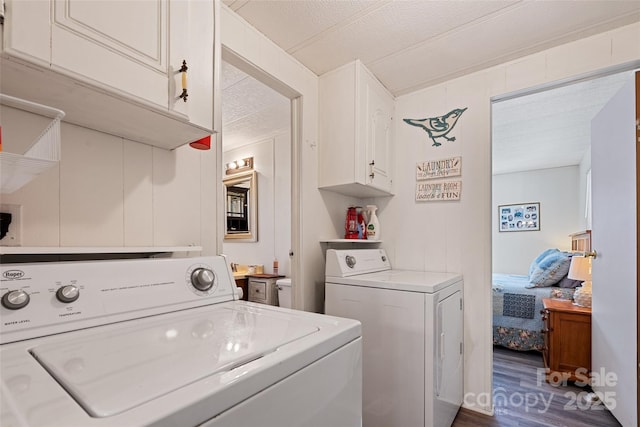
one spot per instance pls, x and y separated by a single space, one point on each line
522 400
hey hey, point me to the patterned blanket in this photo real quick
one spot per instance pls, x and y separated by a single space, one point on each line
516 311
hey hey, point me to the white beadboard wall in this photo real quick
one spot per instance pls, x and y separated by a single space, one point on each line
272 163
108 191
557 191
456 236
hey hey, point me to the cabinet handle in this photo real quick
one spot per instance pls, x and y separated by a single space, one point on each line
183 70
372 174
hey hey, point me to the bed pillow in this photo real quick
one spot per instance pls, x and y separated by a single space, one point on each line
550 270
565 282
539 258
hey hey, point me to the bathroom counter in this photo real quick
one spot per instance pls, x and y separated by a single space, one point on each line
265 276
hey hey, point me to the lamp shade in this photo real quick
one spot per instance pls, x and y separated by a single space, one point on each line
580 268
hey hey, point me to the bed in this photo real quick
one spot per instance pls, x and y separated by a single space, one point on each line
517 299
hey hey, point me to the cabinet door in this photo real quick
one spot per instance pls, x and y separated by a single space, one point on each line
137 48
378 112
26 31
122 45
191 39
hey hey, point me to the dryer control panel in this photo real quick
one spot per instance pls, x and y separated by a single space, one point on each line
345 262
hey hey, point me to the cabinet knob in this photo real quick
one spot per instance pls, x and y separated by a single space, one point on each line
183 70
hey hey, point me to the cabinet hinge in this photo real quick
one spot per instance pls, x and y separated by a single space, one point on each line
1 11
461 304
460 348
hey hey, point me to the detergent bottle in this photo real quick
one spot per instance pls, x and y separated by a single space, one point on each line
373 227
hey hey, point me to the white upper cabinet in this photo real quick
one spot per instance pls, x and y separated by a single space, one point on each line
114 66
356 113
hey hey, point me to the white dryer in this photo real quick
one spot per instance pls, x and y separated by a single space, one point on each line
411 332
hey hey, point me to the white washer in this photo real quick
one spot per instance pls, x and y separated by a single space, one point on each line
165 342
411 332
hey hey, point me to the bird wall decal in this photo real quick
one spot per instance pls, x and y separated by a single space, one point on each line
438 127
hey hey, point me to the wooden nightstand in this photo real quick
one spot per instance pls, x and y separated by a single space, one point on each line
567 340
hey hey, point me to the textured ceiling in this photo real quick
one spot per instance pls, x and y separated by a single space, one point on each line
251 111
549 129
411 44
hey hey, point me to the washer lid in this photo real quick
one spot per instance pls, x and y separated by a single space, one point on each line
123 367
402 280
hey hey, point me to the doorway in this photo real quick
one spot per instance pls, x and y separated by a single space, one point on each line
259 122
540 154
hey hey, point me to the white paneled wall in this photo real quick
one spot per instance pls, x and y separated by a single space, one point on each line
91 183
107 191
138 194
176 196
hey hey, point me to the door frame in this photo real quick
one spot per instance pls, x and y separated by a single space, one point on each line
637 80
238 61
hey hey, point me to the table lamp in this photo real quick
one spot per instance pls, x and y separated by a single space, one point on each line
580 269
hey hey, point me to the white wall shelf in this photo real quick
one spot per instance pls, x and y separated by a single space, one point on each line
46 250
17 170
370 242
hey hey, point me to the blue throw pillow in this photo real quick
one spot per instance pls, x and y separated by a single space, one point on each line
539 258
550 270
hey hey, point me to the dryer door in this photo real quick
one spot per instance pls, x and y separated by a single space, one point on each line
448 393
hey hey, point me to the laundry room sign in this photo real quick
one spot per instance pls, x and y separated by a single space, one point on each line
438 191
437 169
443 168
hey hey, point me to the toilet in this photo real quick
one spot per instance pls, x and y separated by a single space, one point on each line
284 292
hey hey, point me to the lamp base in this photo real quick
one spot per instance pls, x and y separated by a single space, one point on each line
582 296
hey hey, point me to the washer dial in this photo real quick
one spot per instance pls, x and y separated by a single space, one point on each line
15 300
68 293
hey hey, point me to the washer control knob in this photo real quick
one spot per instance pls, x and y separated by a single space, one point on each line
351 261
68 293
202 279
15 300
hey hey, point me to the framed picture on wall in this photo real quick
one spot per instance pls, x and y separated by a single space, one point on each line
519 217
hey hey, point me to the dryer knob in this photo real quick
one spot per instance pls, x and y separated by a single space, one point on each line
68 293
14 300
202 279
